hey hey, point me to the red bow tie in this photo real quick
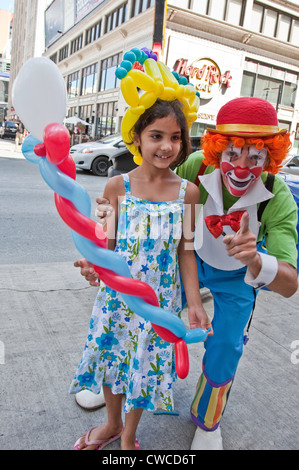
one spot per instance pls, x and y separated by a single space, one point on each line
216 222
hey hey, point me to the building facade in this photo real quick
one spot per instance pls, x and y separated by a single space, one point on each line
6 21
226 48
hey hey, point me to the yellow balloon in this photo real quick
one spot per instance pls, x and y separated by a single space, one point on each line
142 80
129 91
168 78
152 69
148 99
137 159
168 94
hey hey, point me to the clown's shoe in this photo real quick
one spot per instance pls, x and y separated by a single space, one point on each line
207 440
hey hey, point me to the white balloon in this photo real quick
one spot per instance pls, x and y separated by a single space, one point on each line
39 95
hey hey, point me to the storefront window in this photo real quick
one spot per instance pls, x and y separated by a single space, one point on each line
89 78
247 84
273 84
106 119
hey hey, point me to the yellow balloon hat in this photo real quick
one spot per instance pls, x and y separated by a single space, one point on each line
157 81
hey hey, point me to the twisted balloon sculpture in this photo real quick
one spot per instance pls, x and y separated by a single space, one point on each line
73 204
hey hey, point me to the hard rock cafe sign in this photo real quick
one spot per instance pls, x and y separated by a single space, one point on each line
205 75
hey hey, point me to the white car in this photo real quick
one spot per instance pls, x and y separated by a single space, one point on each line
291 165
98 156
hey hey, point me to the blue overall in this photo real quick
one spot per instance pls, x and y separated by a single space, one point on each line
233 304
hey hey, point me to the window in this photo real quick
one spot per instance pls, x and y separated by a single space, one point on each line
54 58
63 53
294 33
89 78
223 10
200 6
274 23
73 85
93 33
116 17
217 9
283 27
108 67
270 22
234 12
3 91
175 3
141 5
106 119
77 44
256 18
278 86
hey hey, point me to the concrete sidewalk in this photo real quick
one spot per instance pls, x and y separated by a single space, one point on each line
9 150
45 312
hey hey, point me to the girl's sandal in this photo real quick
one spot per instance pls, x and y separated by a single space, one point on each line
99 443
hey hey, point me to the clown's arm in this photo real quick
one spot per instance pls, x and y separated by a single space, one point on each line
278 276
198 317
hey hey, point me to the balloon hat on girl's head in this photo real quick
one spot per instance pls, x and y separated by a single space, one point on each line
157 81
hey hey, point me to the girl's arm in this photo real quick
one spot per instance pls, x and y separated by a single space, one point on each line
198 317
113 189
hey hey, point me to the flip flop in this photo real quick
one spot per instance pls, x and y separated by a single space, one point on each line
100 443
137 446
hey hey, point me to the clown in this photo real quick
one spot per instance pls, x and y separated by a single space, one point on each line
243 204
235 172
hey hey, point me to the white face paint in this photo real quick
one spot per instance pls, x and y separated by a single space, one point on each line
240 167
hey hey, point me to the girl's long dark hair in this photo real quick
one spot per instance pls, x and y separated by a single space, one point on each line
159 110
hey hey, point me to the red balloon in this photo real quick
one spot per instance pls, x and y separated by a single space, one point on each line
40 150
181 359
68 167
57 142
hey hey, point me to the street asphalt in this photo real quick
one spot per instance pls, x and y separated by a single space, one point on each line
45 311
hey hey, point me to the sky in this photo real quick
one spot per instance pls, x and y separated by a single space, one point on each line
7 5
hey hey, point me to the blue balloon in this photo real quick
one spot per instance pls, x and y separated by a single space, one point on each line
69 189
121 73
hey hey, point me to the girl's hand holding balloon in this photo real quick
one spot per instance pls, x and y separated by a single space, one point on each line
103 210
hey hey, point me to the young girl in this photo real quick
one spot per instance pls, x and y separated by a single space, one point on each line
123 354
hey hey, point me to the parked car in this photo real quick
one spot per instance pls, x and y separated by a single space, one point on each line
291 165
9 129
98 156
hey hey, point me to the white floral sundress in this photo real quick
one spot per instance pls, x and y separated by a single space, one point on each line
122 349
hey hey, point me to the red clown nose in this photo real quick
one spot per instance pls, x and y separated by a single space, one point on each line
242 173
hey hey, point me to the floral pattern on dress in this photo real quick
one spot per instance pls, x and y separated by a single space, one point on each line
122 350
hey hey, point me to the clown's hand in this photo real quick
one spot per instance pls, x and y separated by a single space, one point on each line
242 245
87 271
103 210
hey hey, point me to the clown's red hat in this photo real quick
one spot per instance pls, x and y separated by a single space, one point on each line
247 117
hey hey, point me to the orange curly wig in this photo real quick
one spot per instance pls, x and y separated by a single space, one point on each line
277 147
